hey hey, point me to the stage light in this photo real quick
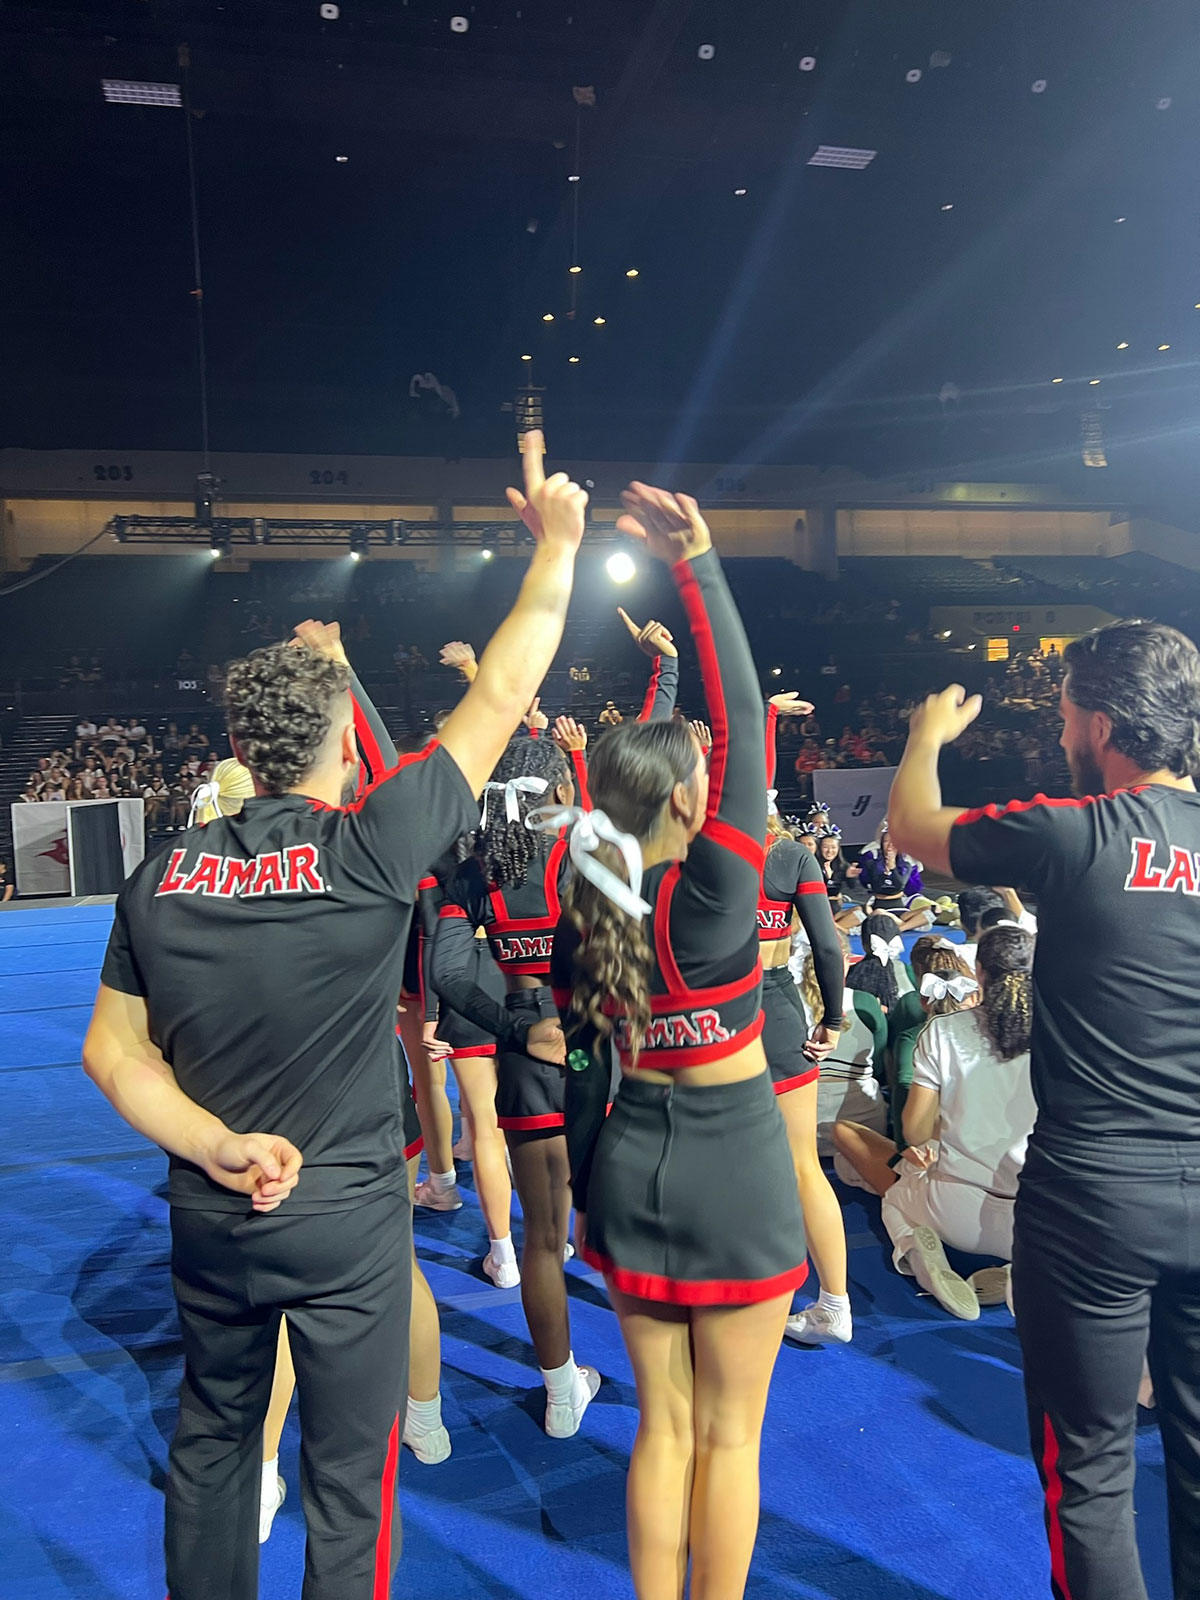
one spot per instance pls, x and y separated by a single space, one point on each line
549 317
120 93
360 545
1055 380
632 273
620 567
1038 86
485 555
356 555
948 207
1092 382
1118 219
341 160
574 270
808 63
1164 347
913 75
526 358
777 672
600 323
574 360
706 52
398 532
330 13
739 191
573 177
1124 345
459 24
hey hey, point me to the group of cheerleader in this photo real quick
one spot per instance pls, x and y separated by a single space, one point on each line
645 893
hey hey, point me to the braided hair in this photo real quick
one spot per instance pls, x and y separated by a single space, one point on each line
1005 960
870 974
505 848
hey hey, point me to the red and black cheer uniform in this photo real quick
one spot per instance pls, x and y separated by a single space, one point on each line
269 948
689 1192
519 921
793 882
465 1038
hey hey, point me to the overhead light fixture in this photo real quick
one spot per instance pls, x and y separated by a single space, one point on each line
1118 219
836 155
1196 307
948 207
706 52
1164 347
526 358
360 545
633 273
777 672
808 63
913 75
118 92
1038 86
574 360
1124 345
739 191
600 321
573 177
486 554
398 532
549 317
341 160
620 567
1055 380
574 270
1092 382
459 24
1164 104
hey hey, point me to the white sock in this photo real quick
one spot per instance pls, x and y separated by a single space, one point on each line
838 1305
424 1416
560 1381
502 1252
439 1182
270 1475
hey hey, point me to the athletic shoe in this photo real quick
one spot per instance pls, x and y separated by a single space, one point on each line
464 1150
991 1285
935 1274
504 1274
850 1176
268 1505
429 1447
816 1324
563 1417
433 1200
568 1252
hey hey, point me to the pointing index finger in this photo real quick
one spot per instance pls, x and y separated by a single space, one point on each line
533 456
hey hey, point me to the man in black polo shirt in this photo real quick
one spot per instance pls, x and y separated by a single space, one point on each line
1106 1262
251 983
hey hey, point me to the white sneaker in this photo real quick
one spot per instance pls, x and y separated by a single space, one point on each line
816 1324
504 1274
935 1274
850 1176
568 1252
270 1502
563 1417
429 1447
433 1200
464 1150
991 1285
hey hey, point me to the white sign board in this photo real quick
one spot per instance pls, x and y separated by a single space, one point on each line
857 798
42 846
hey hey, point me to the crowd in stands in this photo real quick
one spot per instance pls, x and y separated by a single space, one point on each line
116 760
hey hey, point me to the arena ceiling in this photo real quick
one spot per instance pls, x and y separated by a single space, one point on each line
383 192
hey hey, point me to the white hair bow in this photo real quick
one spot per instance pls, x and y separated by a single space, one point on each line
958 987
204 794
588 828
772 807
945 944
510 790
886 950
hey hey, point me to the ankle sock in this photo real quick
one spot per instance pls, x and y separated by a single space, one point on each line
502 1252
560 1381
270 1477
837 1305
423 1416
439 1182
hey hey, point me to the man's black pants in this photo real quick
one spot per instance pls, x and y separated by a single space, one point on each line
1106 1268
344 1279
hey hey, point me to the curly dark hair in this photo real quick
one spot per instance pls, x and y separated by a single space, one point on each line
1145 676
1005 960
870 974
631 776
505 849
279 704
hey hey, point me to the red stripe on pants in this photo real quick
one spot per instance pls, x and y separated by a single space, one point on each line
387 1512
1054 1493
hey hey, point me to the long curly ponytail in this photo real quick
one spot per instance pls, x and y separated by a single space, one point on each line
1005 960
631 775
505 848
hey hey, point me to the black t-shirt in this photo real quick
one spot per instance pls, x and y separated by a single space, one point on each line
269 947
1116 1022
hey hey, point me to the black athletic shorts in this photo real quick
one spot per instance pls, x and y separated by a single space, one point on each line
785 1032
693 1199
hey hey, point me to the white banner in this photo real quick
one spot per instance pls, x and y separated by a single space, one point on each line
132 817
40 848
857 798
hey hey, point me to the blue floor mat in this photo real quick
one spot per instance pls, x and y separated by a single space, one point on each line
894 1469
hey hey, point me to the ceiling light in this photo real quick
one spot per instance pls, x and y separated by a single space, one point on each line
526 358
459 24
1038 86
620 567
1092 382
913 75
572 177
356 555
1120 219
1196 307
119 93
600 321
808 63
1124 345
777 672
706 52
574 269
330 13
739 191
1164 347
632 273
485 555
341 159
948 208
574 360
1164 104
1055 380
549 317
836 155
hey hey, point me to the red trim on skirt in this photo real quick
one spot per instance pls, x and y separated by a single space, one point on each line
786 1085
550 1119
415 1148
696 1292
470 1050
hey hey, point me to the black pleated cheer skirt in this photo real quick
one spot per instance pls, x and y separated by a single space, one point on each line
466 1038
529 1093
785 1032
693 1199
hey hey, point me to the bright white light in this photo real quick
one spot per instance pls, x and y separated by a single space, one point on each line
341 160
913 75
808 63
356 555
216 554
739 191
485 555
329 13
777 672
620 567
119 93
459 24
